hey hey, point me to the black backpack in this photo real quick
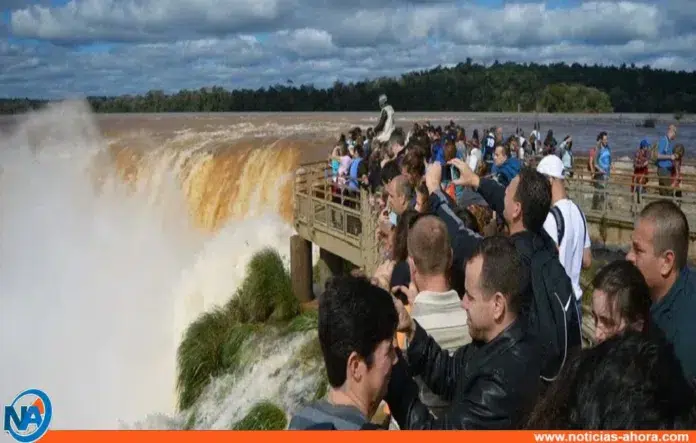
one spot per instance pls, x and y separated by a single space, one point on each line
554 312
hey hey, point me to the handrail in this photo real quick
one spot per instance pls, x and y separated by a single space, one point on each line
336 212
349 218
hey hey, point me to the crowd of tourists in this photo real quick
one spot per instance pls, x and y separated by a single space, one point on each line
473 320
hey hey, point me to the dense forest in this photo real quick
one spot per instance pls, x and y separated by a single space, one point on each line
465 87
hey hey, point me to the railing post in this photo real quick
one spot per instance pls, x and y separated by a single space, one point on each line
368 241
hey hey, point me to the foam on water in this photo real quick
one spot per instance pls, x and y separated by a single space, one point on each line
97 283
229 398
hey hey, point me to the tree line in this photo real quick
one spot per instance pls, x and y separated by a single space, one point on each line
501 87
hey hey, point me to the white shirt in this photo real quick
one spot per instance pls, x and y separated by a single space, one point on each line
388 125
474 158
576 239
442 316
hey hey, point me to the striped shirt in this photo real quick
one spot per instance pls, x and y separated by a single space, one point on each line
342 417
442 317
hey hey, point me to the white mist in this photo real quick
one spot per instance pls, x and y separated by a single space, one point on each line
96 286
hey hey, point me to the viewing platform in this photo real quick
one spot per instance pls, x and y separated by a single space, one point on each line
344 227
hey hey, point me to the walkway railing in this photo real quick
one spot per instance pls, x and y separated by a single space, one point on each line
345 222
340 221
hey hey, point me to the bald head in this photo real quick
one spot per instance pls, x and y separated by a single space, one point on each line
429 246
671 229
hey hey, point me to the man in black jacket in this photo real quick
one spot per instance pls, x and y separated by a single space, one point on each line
493 382
524 205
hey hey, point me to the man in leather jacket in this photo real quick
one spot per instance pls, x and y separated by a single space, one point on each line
493 382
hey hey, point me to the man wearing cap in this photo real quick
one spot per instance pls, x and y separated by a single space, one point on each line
566 225
384 128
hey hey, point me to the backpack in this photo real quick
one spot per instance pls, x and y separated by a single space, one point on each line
560 223
554 312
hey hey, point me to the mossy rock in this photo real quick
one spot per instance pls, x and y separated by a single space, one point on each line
264 416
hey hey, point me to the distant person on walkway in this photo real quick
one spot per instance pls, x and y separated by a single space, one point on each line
536 134
660 249
665 160
550 143
505 167
676 172
385 126
488 146
602 164
567 226
357 323
640 168
565 153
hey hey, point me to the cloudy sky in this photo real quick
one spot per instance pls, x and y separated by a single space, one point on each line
72 48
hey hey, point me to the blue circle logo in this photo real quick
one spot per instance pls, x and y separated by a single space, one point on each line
28 417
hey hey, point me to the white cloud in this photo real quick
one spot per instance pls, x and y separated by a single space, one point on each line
175 44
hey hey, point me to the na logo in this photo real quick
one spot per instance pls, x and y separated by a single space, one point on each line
27 418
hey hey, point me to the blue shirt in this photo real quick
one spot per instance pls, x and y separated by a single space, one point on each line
439 153
507 171
604 159
664 147
674 315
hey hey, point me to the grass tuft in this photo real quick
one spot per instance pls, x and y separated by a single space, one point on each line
306 321
264 416
213 344
266 293
199 356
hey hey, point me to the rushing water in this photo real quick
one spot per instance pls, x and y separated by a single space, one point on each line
117 231
104 261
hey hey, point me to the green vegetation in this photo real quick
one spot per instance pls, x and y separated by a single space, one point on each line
266 293
215 342
574 98
304 322
203 353
264 416
465 87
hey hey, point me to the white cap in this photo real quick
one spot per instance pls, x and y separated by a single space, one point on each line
551 166
382 99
